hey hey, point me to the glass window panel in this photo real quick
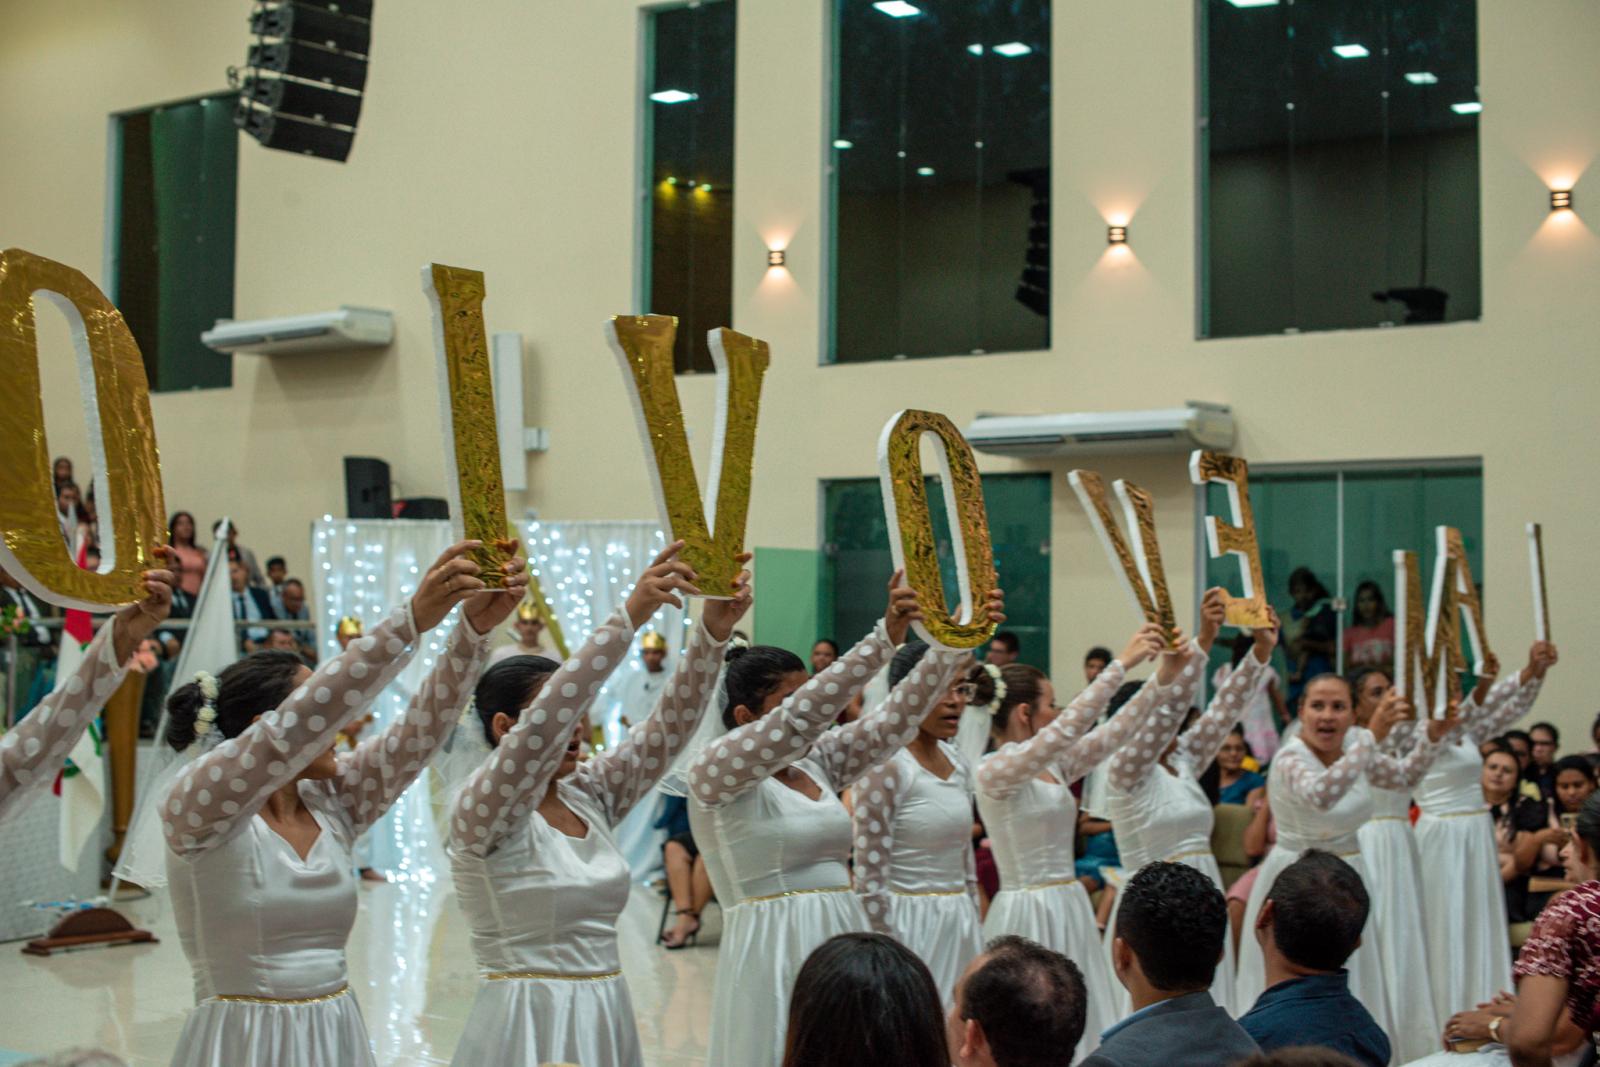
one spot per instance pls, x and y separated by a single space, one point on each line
941 163
688 246
1340 181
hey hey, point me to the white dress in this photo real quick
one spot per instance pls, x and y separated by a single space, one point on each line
914 866
1469 943
1324 807
1394 879
1161 813
1032 822
32 751
264 929
972 735
776 857
542 905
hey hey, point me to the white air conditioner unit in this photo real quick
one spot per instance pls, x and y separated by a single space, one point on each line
325 331
1199 425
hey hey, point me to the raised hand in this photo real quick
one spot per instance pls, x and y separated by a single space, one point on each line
903 609
1145 644
1266 637
1541 657
492 607
665 578
1393 709
1213 607
450 580
995 606
1172 659
721 616
139 620
1438 729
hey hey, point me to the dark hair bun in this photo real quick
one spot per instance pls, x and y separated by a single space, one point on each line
734 652
183 712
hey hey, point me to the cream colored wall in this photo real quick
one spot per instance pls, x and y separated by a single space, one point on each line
501 135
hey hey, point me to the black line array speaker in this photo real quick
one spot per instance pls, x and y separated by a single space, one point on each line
366 488
301 91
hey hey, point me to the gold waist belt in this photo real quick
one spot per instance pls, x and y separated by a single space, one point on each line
929 892
1390 818
239 998
795 893
549 976
1049 885
1193 853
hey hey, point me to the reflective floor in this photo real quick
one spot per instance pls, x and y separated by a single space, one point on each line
410 965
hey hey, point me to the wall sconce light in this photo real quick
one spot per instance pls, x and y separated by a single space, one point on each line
1561 200
1116 235
777 257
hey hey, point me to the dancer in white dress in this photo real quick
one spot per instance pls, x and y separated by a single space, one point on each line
972 737
261 824
1320 797
32 751
1394 878
1157 805
764 806
532 846
914 866
1025 798
1465 915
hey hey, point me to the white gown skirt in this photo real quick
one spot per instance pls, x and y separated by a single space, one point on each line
237 1033
1059 917
1469 944
1389 852
764 944
535 1021
1365 965
943 930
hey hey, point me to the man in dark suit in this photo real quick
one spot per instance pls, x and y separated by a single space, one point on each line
249 604
1170 927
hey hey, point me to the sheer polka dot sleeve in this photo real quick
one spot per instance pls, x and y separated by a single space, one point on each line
1507 701
855 748
1387 772
383 766
1302 774
32 751
1012 765
1162 709
746 755
1201 742
512 781
224 787
619 777
876 797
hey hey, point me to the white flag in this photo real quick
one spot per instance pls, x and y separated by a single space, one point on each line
83 794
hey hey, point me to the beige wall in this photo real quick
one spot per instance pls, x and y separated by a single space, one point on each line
501 135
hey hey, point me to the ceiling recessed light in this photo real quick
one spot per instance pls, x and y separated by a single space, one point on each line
975 49
1254 3
1351 51
897 9
842 144
673 96
1422 77
926 172
1012 49
1468 107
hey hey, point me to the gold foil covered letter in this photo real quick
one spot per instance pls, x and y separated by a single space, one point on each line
1236 537
1140 565
1467 599
643 344
122 438
905 504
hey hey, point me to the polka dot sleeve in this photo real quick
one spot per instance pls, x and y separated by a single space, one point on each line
1507 701
876 797
619 777
514 778
32 752
383 766
1302 774
1014 764
1387 772
1200 743
855 748
746 755
224 787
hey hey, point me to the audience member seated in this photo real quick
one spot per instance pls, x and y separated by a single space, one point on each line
249 603
189 559
865 1000
1019 1004
1545 749
1521 745
1004 648
61 471
1095 660
277 574
688 882
1259 837
1369 639
1267 715
1574 782
1308 927
1098 857
36 632
293 599
1169 940
280 640
1235 783
258 580
1472 1038
1519 828
1309 631
67 499
823 653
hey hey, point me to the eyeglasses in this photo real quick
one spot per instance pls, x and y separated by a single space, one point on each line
965 690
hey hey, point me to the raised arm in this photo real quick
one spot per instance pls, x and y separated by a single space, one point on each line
1490 714
1303 775
877 797
1153 715
1200 743
1386 771
32 751
850 751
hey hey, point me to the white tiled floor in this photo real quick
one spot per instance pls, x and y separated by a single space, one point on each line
410 965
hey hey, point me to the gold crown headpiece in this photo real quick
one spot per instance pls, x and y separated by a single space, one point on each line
526 612
652 640
349 626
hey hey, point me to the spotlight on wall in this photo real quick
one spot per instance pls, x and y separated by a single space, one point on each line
777 257
1116 235
1561 200
303 83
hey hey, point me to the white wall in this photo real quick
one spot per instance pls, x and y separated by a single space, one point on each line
501 135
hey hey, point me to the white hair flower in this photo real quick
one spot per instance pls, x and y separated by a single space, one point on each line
999 688
207 684
208 709
203 723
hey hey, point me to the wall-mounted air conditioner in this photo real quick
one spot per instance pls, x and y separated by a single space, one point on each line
1198 425
325 331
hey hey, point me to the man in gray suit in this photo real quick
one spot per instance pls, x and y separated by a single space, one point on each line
1170 927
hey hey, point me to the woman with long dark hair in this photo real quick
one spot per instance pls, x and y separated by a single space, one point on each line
261 825
865 1000
532 838
188 558
1309 632
764 806
1369 639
